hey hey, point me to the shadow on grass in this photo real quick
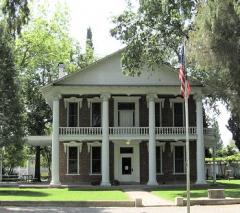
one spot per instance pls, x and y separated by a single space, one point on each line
228 185
23 193
95 189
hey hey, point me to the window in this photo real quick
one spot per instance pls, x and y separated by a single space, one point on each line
126 114
72 114
96 114
159 159
96 159
73 161
126 150
179 159
178 111
157 115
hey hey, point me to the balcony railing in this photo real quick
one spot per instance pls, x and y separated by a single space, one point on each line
128 131
174 130
134 131
80 130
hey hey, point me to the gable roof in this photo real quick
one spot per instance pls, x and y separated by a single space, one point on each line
108 72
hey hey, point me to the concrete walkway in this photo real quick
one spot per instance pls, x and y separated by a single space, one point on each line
148 199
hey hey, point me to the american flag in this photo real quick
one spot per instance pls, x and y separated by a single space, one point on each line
182 75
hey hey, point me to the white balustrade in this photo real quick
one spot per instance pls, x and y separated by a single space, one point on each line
80 130
132 131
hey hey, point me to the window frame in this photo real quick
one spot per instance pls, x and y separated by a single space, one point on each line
172 102
126 99
77 113
90 146
90 102
160 101
161 158
179 144
66 150
72 100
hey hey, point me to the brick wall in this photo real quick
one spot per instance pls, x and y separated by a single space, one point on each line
84 166
167 120
167 165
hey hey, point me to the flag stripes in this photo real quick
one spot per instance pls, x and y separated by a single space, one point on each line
185 84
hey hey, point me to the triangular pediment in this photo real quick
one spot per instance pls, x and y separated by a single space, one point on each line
108 71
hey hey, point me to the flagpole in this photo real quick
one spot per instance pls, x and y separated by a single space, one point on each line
186 95
187 147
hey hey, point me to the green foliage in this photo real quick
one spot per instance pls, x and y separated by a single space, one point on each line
16 13
45 42
153 33
88 57
11 128
227 155
214 49
234 127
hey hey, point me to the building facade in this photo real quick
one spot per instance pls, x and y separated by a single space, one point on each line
108 126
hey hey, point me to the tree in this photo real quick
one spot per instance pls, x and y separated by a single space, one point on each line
153 33
88 57
214 49
234 127
89 42
44 42
12 132
16 13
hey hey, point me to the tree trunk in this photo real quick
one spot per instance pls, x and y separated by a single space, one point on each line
37 174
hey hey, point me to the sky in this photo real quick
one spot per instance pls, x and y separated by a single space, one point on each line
97 15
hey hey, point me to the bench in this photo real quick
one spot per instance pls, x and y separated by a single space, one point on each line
216 193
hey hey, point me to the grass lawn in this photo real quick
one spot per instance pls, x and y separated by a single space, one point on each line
30 194
232 189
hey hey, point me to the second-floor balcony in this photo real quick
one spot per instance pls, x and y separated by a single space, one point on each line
131 133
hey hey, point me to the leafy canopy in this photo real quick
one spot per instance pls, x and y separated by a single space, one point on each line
153 33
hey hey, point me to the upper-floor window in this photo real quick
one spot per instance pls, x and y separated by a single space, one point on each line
73 112
126 111
178 114
126 114
157 114
96 114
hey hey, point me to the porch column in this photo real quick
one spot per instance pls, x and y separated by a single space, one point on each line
105 141
214 164
152 142
200 143
55 143
1 167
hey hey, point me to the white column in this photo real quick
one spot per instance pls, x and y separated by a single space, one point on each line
55 143
1 167
152 142
214 164
200 143
105 140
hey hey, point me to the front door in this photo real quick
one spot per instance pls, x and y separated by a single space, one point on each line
126 166
126 161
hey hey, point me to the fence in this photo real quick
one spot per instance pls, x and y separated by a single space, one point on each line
223 169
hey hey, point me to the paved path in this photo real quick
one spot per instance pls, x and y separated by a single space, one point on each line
194 209
148 199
